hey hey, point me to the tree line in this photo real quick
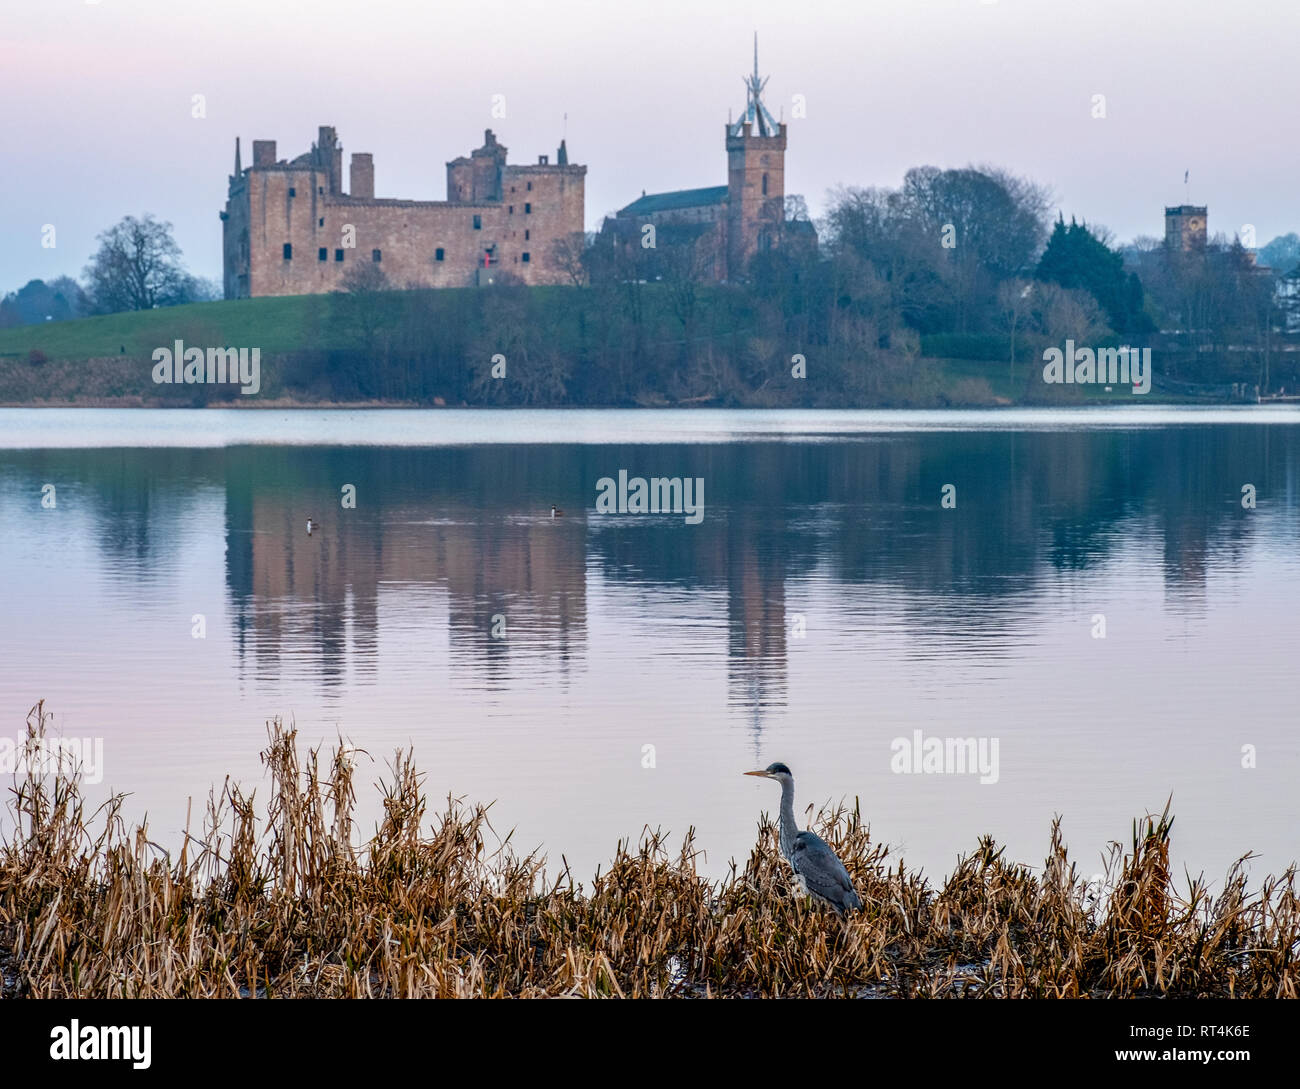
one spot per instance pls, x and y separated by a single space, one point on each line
961 264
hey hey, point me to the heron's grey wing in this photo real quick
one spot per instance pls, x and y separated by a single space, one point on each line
823 872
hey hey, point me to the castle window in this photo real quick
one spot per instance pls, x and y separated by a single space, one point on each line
323 254
528 209
530 187
478 223
376 256
512 209
320 190
764 185
288 251
526 234
338 255
292 191
526 257
438 254
321 223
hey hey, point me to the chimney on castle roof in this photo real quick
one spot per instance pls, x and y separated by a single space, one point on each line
361 184
238 169
562 156
264 153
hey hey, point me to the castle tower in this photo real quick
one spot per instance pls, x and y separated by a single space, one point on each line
1186 227
755 178
328 158
478 177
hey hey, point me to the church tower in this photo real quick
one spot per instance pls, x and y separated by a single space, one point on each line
1186 227
755 178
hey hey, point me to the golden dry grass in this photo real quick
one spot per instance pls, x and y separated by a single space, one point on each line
298 905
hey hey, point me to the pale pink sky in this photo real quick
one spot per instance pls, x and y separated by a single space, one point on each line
96 118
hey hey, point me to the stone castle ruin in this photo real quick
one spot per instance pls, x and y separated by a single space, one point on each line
290 229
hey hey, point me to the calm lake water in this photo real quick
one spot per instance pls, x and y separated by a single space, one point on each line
825 605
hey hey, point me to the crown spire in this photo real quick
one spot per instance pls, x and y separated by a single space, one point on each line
755 113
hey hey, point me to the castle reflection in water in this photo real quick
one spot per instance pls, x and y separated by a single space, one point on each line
472 529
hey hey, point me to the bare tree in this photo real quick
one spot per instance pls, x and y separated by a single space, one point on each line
569 255
137 267
364 306
365 277
1068 313
1015 303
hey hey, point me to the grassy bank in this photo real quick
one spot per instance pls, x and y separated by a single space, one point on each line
629 345
300 906
274 324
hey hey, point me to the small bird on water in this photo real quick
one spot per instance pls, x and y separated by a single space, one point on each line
556 512
311 524
820 872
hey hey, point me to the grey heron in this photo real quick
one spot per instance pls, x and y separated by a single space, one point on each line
820 872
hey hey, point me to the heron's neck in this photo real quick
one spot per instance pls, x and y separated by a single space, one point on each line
789 829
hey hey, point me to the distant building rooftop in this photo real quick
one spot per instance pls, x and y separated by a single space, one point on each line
680 198
1186 210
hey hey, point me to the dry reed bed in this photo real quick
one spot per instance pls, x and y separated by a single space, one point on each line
297 906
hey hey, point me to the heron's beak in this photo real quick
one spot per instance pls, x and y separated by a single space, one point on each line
763 774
